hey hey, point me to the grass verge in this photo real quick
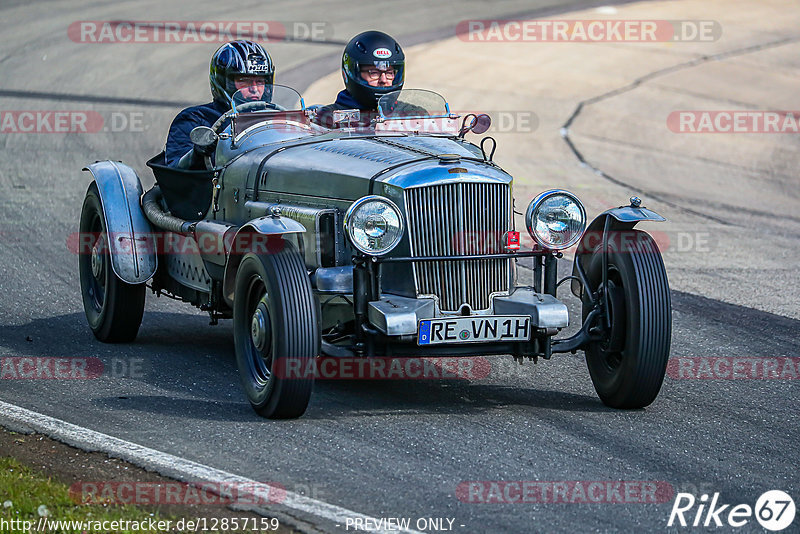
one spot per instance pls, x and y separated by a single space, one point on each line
27 496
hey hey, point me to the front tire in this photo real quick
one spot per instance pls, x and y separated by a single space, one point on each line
628 366
276 331
113 308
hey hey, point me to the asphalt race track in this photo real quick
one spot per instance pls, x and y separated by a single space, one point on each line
407 449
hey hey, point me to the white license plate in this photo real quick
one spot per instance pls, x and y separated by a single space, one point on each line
474 329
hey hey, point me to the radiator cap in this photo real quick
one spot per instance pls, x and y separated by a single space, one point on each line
449 158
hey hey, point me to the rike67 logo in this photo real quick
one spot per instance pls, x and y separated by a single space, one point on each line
774 510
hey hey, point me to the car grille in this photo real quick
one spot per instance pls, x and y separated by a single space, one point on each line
460 219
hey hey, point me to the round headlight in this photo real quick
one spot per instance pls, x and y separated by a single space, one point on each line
374 225
556 219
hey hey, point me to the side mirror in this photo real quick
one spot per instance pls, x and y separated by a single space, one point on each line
478 124
481 123
204 137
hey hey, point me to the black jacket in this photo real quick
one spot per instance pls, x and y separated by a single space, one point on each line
178 142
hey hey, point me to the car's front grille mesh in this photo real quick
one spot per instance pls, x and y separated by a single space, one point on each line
454 220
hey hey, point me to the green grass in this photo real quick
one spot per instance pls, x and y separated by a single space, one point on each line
27 491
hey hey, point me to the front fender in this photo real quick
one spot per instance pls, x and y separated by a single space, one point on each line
247 240
622 218
131 247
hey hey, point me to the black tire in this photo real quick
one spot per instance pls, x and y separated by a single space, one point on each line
628 366
276 286
113 308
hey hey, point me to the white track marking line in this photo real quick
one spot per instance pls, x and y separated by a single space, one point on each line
175 466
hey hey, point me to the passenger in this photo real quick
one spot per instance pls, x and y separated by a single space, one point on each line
373 64
236 65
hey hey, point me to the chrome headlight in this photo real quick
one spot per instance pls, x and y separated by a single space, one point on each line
374 225
556 219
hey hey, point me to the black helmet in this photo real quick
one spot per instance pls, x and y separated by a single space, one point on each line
373 49
236 58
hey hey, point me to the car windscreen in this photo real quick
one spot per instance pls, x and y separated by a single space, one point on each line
415 110
409 103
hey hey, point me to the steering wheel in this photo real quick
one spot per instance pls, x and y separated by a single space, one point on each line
247 106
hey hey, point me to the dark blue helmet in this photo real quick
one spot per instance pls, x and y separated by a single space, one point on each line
378 51
237 58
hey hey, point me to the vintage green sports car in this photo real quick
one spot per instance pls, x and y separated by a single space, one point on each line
387 237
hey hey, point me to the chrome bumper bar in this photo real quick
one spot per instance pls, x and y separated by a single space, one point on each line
398 316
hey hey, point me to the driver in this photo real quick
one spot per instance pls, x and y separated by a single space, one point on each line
236 65
373 64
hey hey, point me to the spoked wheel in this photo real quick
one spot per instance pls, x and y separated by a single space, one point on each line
113 308
276 332
628 365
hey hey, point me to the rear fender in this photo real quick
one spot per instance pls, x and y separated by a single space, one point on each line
258 236
616 219
132 250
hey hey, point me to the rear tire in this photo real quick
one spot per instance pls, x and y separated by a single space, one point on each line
627 368
276 331
113 308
